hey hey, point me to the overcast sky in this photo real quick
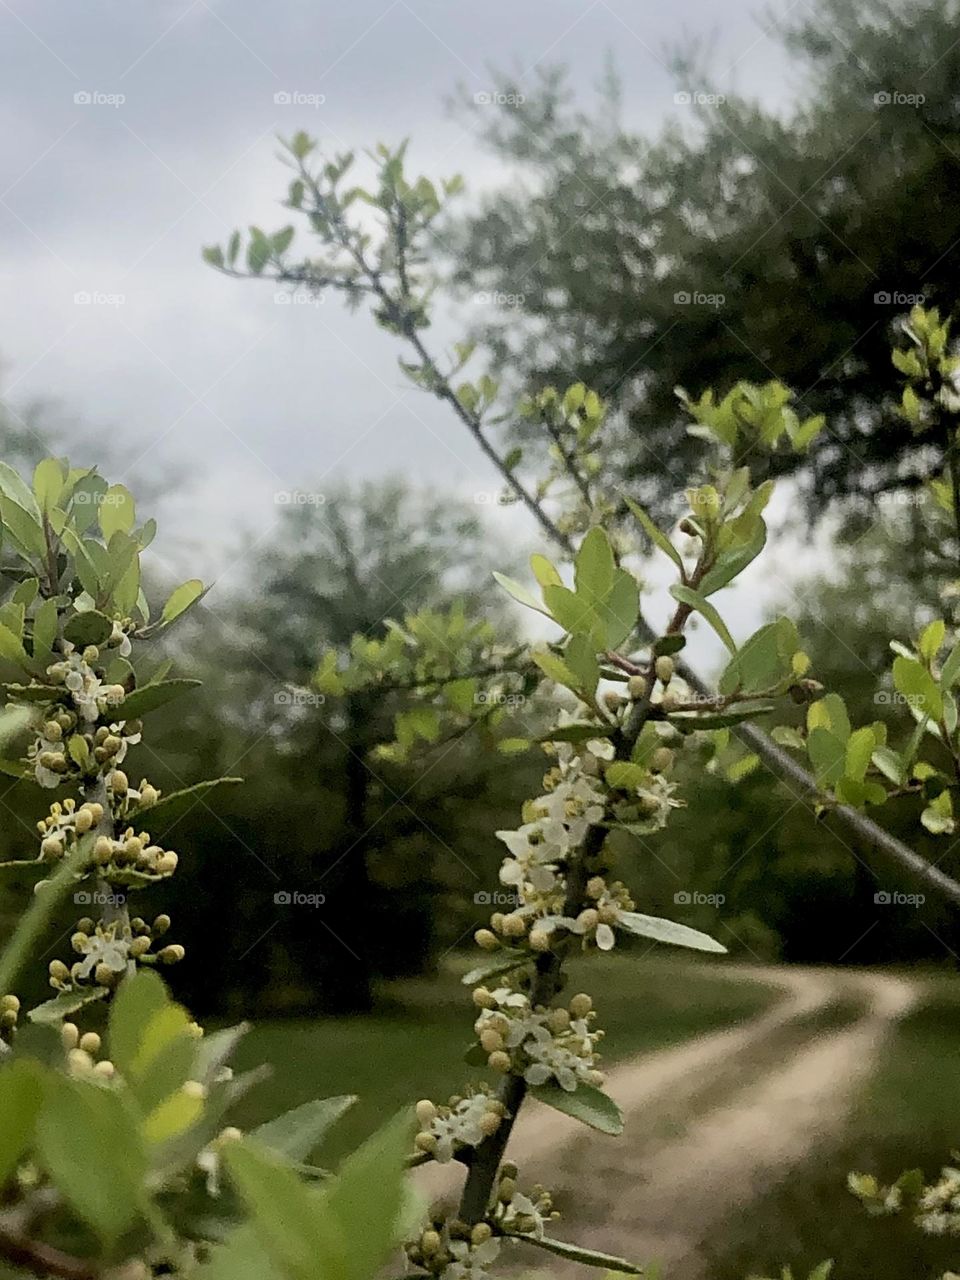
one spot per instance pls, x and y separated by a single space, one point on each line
135 133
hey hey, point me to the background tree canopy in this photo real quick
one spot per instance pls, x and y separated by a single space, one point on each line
813 229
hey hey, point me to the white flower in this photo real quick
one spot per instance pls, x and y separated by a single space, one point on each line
471 1260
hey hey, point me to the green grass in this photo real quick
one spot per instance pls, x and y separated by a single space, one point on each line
907 1117
413 1046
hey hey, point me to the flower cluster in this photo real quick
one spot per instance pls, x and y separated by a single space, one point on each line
938 1209
465 1122
454 1251
108 949
539 1043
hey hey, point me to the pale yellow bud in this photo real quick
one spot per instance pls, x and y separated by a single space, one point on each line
167 863
430 1243
426 1112
490 1040
90 1043
539 940
489 1124
10 1003
580 1005
499 1061
661 760
426 1142
69 1035
665 669
514 925
637 687
486 940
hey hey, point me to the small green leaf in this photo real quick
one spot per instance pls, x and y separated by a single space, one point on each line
296 1133
686 595
88 628
659 930
502 962
49 478
657 536
587 1257
151 696
590 1106
519 592
117 512
180 600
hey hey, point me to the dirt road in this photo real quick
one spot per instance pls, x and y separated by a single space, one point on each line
709 1122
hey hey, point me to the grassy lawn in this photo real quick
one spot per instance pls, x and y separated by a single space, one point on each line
413 1046
907 1117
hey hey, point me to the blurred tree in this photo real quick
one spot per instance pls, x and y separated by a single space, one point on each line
751 245
382 841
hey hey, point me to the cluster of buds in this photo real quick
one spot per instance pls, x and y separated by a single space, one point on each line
455 1251
106 952
131 857
538 1043
938 1210
64 825
596 923
9 1016
465 1122
83 1053
514 1212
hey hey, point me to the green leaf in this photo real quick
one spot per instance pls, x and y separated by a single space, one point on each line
555 668
45 624
117 512
594 565
580 657
12 486
502 962
519 592
889 763
26 592
859 751
22 526
89 1145
678 935
171 808
296 1133
11 649
52 1012
590 1106
88 628
686 595
931 639
545 572
588 1257
181 599
21 1095
917 686
951 668
150 1040
151 696
657 536
688 720
827 754
49 478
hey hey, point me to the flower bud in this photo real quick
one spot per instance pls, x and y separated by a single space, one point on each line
104 976
669 702
172 954
587 919
118 782
486 940
426 1111
105 1069
490 1040
111 744
430 1243
506 1190
91 654
79 1061
103 850
514 925
613 700
148 796
83 821
499 1061
80 942
69 1035
167 863
539 940
90 1043
139 946
10 1003
161 925
489 1124
96 810
664 669
637 687
661 760
580 1005
509 1170
426 1142
483 999
558 1020
8 1019
51 848
481 1233
58 971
